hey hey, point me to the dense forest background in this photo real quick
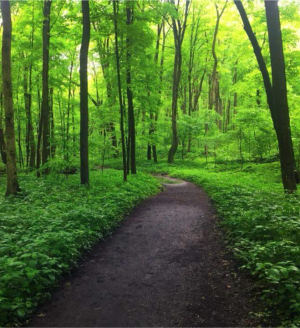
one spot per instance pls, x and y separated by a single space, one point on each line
220 109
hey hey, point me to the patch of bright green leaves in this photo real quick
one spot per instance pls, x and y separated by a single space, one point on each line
44 232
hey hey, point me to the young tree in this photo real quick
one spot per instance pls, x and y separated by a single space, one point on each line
11 165
276 93
84 115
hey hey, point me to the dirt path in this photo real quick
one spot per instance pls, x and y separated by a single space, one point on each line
163 267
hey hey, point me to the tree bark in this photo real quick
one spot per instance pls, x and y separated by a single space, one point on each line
179 28
30 143
120 92
213 49
84 115
68 112
131 120
281 109
276 94
2 137
213 79
45 89
52 134
151 147
11 166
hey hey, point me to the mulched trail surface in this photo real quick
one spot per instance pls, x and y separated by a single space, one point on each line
165 266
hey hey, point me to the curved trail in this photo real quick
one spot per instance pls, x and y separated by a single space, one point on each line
163 267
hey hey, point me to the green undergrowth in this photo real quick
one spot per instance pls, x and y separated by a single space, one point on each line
46 230
262 226
263 230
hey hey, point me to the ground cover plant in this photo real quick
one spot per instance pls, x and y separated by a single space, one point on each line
261 223
47 228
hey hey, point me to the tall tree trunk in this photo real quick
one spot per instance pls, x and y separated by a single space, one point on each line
213 49
45 89
131 120
161 71
84 116
281 109
228 116
120 92
11 166
68 112
235 96
213 97
2 138
277 100
153 117
30 143
175 89
73 124
52 134
214 72
179 28
19 139
29 120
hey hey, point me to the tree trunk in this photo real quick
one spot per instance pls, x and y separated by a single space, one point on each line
11 166
235 96
276 95
131 121
30 143
120 92
45 90
52 146
228 116
281 109
213 79
2 138
150 149
84 116
149 154
68 111
179 28
214 72
31 131
175 90
73 124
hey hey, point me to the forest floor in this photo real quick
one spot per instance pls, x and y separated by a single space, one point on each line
166 265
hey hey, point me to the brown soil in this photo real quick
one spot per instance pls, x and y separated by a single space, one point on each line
165 266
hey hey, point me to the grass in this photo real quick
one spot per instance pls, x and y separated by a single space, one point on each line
46 230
